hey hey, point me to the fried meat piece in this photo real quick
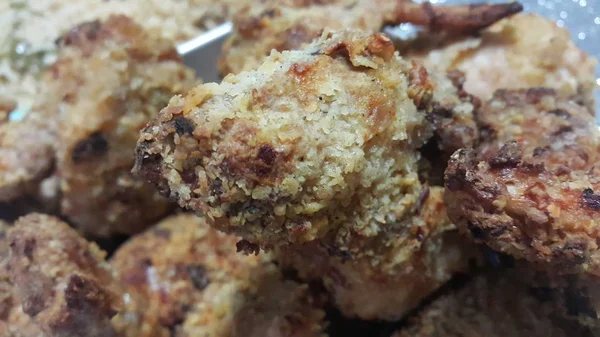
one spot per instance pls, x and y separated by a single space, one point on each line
523 51
317 150
111 77
59 280
184 278
496 304
533 197
287 25
315 142
396 273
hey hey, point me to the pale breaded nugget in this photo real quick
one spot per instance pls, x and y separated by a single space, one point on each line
110 78
183 278
314 142
496 304
287 25
395 273
523 51
533 197
114 77
59 280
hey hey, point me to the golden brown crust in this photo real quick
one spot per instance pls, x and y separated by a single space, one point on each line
496 304
395 274
290 152
524 51
250 152
60 280
287 25
530 192
184 278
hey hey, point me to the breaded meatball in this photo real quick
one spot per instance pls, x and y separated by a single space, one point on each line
397 272
287 25
529 191
59 280
114 77
523 51
183 278
495 304
317 141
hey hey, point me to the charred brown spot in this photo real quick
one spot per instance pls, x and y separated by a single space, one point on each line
591 200
82 293
85 31
509 156
149 166
247 248
538 151
94 146
343 255
190 178
269 13
560 113
77 287
199 276
533 169
476 232
216 187
266 156
534 95
183 126
28 247
562 130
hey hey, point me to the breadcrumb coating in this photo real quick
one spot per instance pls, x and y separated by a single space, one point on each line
183 278
317 141
395 274
260 28
523 51
59 280
496 304
533 197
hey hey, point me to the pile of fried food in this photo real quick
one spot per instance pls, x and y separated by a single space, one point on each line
333 169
